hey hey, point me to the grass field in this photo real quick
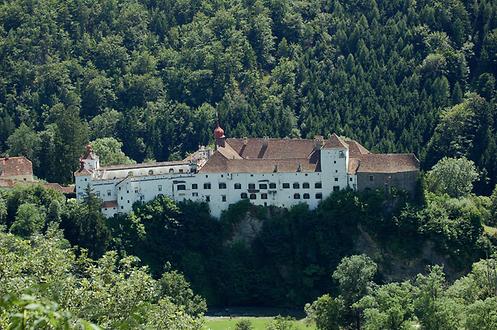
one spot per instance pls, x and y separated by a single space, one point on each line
259 323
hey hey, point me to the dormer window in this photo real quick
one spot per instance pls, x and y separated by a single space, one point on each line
171 170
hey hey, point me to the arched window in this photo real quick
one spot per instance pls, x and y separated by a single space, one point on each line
171 170
253 196
305 185
296 196
306 196
150 172
243 195
296 185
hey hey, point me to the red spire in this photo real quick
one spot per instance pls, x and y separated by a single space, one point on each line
219 132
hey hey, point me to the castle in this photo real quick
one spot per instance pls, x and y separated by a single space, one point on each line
278 172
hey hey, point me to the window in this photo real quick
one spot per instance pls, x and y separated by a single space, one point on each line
109 193
334 162
136 190
306 196
194 186
319 196
296 196
86 179
127 191
263 196
130 173
128 201
171 170
296 185
253 196
305 185
341 154
371 178
119 188
262 186
223 198
336 179
286 185
207 198
350 179
181 170
121 197
222 185
151 172
238 186
251 186
181 187
318 185
336 188
272 185
207 185
97 193
243 195
159 187
195 194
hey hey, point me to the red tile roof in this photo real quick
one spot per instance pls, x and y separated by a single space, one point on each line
335 142
356 149
82 172
58 187
15 166
292 155
255 148
384 163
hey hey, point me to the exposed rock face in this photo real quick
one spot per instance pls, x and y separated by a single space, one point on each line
394 265
246 230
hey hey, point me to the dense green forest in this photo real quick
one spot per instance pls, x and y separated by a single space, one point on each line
397 75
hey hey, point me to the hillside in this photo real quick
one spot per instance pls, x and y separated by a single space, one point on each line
414 76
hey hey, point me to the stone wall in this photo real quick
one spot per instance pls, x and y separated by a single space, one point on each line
403 180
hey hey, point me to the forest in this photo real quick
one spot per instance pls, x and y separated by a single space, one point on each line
143 80
396 75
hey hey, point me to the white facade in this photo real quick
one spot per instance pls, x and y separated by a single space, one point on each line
120 187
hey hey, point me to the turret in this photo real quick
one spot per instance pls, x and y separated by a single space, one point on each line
90 160
219 136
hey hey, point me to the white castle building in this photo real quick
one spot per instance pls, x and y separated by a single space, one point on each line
278 172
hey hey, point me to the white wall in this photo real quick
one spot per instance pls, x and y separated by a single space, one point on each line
131 189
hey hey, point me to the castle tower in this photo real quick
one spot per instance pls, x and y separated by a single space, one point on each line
90 160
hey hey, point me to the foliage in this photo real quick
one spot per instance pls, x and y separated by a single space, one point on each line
388 306
282 323
451 176
28 220
109 152
111 292
27 312
433 308
244 325
326 312
493 208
